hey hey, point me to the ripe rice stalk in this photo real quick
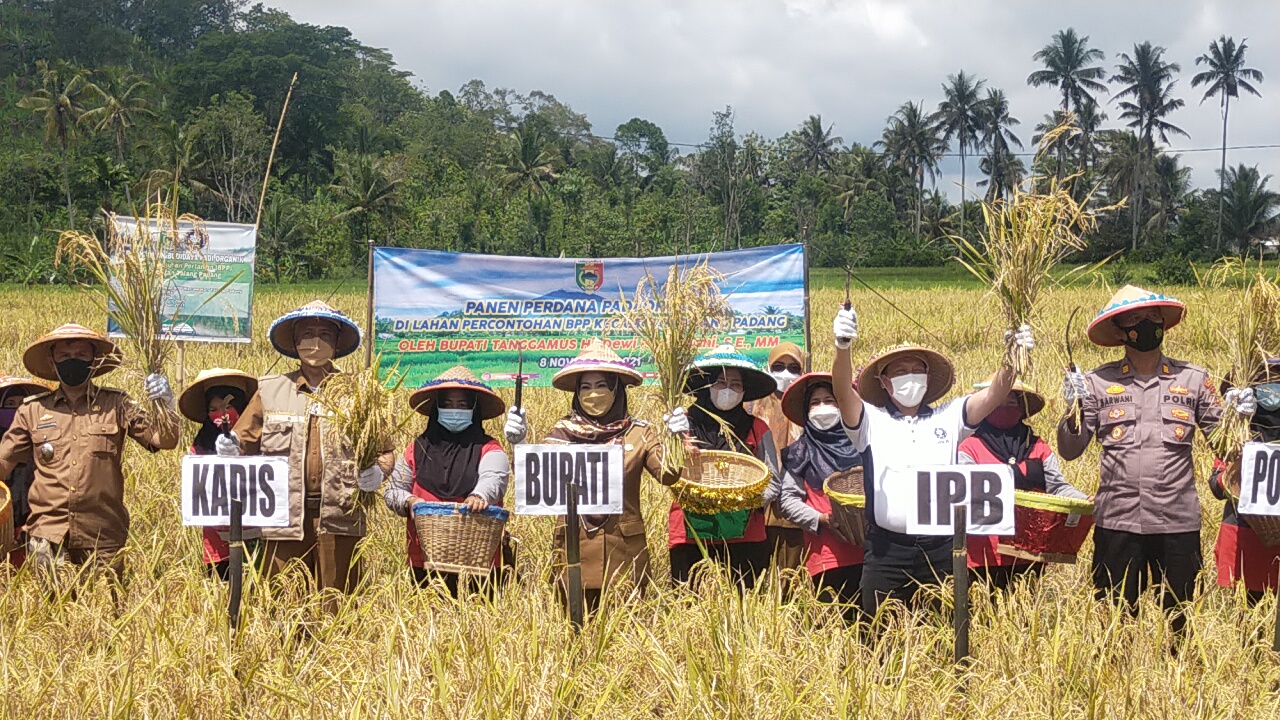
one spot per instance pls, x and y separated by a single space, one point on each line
367 413
1247 329
133 283
1025 237
670 319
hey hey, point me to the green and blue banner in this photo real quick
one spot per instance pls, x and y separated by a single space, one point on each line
434 310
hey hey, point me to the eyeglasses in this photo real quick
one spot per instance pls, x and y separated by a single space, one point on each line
1268 395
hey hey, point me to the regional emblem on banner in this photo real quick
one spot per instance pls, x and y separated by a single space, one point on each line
590 275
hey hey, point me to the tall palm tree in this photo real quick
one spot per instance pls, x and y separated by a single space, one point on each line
1068 65
1121 163
911 142
1004 172
959 118
1171 184
59 102
1146 101
528 163
998 137
1251 208
1090 118
122 103
173 154
368 186
1225 76
816 147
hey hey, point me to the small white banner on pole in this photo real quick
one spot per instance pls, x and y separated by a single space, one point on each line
1260 479
919 500
543 474
210 483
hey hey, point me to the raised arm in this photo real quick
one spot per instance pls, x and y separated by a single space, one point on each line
850 402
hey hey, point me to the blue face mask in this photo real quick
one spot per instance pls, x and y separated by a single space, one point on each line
455 420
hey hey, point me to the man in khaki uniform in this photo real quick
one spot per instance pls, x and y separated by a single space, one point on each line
74 438
1144 410
325 521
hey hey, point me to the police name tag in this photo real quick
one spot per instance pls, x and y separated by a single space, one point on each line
544 475
1260 479
210 483
920 500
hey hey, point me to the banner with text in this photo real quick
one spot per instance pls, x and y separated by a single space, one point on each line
1260 479
544 474
919 500
209 256
434 310
210 483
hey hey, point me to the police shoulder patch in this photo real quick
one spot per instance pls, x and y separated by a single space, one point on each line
37 396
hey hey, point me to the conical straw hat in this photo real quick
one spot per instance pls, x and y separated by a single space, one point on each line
281 332
942 374
191 402
595 357
38 357
457 378
1105 333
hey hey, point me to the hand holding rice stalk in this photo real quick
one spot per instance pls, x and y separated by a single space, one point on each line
1026 236
1248 333
134 281
670 320
365 414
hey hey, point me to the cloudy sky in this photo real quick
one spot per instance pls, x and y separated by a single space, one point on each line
777 61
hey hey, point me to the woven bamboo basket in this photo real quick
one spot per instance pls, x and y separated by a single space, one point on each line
848 505
7 538
722 481
1267 527
456 540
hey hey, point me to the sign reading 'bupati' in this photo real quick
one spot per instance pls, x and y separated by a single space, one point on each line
546 474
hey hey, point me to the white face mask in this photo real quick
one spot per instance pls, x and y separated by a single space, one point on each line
908 390
824 417
726 399
784 378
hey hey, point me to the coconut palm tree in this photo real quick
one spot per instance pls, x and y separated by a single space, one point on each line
59 102
816 148
1068 65
1251 208
1171 185
911 142
1089 117
122 103
1226 76
1004 172
528 164
959 118
368 186
1146 100
998 137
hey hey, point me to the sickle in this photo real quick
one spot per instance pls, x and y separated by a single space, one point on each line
1071 360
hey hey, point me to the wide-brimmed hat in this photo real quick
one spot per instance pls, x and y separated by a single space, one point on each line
942 375
191 402
457 378
281 332
1032 400
784 349
794 405
26 386
1105 333
756 383
595 357
38 357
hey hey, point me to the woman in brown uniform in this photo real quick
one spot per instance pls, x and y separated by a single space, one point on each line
613 547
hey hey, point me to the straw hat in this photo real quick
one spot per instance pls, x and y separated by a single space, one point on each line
785 349
26 386
457 378
756 383
794 406
38 357
595 357
941 374
281 332
1105 333
1032 400
191 402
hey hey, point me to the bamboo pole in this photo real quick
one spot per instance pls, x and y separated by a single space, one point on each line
262 197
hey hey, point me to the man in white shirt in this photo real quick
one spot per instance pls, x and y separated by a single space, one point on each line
891 412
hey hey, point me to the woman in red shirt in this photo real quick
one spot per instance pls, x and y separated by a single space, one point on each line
452 461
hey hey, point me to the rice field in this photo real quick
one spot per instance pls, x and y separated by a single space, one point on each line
164 651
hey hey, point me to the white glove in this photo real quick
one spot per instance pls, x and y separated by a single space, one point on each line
1241 400
515 428
677 422
1022 337
370 478
845 328
1074 387
227 445
157 387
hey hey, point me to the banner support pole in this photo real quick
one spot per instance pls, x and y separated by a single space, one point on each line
808 312
368 312
960 576
573 557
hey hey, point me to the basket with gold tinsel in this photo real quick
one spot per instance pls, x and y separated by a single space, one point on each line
716 481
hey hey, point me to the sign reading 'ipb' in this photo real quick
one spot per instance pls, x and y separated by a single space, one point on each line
1260 479
920 500
210 483
544 475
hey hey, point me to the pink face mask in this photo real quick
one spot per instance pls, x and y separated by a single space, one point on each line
1005 417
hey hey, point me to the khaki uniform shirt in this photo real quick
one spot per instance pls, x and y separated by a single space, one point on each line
77 493
1147 482
249 430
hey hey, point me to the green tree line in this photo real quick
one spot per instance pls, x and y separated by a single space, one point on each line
107 102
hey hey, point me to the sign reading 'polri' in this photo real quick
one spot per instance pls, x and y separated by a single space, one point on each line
210 483
1260 479
543 474
919 500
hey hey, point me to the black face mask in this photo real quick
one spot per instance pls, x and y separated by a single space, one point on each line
74 372
1144 336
